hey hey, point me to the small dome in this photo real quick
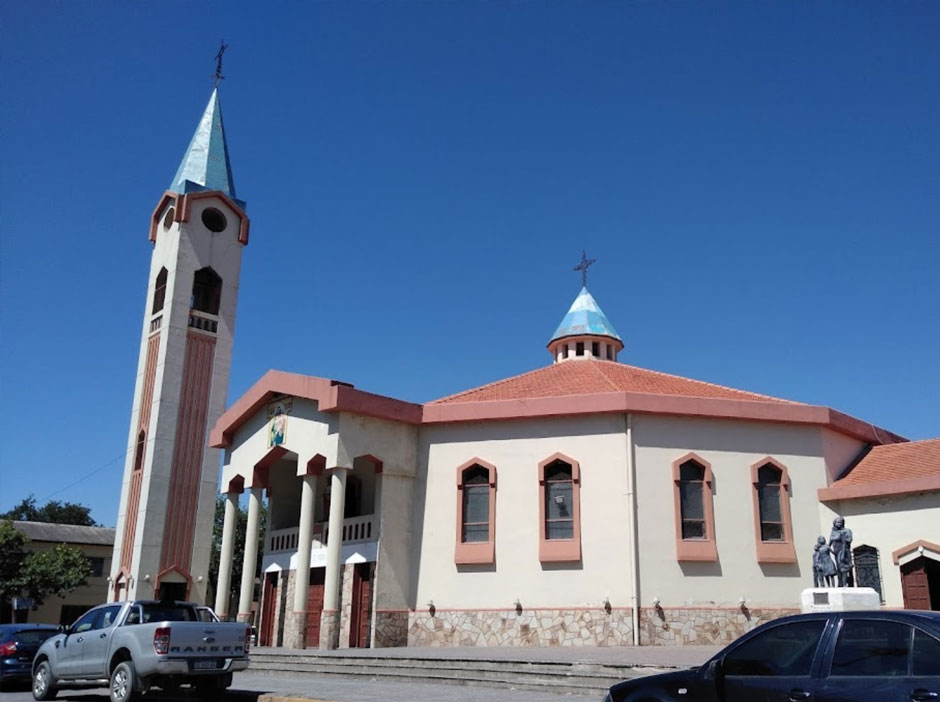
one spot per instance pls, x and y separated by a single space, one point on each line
585 318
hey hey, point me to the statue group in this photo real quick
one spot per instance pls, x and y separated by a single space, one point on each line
832 562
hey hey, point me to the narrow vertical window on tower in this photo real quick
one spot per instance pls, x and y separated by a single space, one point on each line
559 509
772 528
695 515
476 513
139 454
159 291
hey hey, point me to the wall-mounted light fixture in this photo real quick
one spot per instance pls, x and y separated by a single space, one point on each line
199 579
742 603
518 605
431 608
659 609
147 577
607 606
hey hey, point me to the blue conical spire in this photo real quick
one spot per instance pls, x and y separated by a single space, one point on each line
205 165
585 317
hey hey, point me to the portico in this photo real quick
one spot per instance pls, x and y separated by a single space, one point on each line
323 472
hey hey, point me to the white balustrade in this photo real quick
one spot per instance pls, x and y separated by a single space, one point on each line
355 530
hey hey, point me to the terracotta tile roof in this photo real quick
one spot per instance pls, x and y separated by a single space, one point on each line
583 377
895 462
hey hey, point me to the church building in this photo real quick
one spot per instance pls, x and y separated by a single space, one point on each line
588 502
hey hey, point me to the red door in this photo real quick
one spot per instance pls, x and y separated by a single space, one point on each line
914 585
361 606
314 606
268 608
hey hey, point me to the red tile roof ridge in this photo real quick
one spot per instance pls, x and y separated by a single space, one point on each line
898 468
770 398
599 367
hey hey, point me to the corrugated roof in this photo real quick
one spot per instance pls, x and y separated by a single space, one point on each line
894 462
66 533
585 316
583 377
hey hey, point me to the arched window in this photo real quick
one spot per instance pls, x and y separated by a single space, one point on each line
141 446
159 291
559 509
768 501
867 568
773 532
476 513
207 291
695 516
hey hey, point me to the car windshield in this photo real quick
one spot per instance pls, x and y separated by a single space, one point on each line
31 636
168 613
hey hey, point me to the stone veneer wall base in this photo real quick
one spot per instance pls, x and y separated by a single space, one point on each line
573 627
391 628
676 626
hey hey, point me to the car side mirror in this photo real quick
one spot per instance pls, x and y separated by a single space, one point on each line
713 670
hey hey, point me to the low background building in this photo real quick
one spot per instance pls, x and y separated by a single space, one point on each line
96 543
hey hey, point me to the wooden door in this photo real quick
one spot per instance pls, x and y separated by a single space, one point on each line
361 606
268 609
314 606
914 585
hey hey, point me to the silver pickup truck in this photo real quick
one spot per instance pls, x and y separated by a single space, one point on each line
132 646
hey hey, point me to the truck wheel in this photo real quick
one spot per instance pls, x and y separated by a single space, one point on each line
123 687
43 687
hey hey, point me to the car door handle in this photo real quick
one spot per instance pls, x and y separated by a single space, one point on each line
797 694
103 636
80 639
922 695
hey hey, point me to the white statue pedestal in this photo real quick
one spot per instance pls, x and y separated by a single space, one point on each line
838 599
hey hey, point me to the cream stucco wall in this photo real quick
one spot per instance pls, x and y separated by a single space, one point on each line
887 523
730 447
598 443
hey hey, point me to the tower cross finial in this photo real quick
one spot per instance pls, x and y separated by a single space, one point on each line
583 267
218 63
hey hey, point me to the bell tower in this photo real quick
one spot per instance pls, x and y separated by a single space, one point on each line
197 230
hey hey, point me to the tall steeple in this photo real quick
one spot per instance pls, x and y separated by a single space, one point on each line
198 231
585 332
205 165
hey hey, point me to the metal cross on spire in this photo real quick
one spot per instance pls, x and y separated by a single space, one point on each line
218 63
583 267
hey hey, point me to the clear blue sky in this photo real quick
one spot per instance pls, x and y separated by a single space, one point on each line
760 183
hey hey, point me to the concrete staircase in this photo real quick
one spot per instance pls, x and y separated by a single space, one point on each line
557 678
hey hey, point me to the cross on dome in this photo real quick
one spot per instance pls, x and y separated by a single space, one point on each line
585 332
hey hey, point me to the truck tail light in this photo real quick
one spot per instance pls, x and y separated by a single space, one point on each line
8 649
161 641
247 638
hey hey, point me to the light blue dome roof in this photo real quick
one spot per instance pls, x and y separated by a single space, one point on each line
585 317
205 165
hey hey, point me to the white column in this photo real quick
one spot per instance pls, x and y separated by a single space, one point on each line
224 584
251 555
334 546
304 542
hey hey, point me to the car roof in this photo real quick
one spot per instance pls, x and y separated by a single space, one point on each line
909 615
24 627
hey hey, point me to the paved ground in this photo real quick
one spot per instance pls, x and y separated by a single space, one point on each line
249 686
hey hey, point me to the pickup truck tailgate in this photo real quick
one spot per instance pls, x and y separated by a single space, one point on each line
204 641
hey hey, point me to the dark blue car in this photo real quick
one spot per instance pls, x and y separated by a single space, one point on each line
873 656
18 645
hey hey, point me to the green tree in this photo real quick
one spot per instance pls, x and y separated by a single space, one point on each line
54 512
241 526
37 574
